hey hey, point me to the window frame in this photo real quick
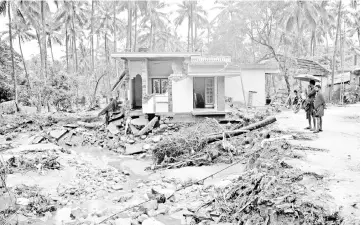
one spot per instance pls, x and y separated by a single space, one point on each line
160 85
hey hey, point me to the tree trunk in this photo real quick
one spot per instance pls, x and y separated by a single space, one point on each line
135 29
151 36
92 36
44 41
192 44
74 40
51 51
189 27
335 50
67 48
129 39
26 71
114 27
12 56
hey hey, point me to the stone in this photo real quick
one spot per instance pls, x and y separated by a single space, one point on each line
57 134
143 137
22 201
147 147
152 221
139 122
131 141
71 125
134 149
117 187
163 126
156 139
112 128
78 214
123 221
171 125
126 172
142 217
151 205
162 209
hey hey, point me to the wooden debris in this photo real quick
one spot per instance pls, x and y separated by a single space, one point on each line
148 127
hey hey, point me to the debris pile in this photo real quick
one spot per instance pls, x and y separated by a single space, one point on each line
206 142
267 192
32 201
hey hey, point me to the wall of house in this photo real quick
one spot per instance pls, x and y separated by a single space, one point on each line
253 80
182 95
221 104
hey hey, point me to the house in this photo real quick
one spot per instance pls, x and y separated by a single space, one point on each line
185 83
254 84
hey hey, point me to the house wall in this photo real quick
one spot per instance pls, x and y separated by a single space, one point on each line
253 80
221 104
182 95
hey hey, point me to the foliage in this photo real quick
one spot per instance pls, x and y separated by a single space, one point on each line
6 82
352 94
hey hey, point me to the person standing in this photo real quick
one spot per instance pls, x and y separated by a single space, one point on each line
319 106
310 106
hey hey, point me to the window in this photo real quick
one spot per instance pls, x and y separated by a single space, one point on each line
159 85
209 90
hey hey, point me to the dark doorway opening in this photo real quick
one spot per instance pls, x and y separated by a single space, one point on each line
203 92
137 92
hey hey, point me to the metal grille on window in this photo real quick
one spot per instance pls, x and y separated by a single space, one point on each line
156 86
209 90
164 85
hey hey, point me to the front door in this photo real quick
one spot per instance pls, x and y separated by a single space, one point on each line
203 92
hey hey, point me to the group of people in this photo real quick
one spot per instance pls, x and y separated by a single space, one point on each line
313 102
315 105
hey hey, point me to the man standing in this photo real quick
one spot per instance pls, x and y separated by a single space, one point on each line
319 108
309 105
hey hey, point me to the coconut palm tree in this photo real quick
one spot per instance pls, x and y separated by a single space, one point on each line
72 15
22 31
184 11
156 20
5 8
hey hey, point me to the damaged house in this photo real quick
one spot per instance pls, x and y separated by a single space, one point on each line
184 83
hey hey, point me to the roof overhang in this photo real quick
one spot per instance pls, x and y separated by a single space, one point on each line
234 74
152 55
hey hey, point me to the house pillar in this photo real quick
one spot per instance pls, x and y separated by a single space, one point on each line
144 81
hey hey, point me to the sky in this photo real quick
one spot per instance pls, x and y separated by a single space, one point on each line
31 48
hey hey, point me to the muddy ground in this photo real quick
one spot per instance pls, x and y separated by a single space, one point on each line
317 179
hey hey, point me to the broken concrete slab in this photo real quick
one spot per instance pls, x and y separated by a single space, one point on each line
36 148
134 149
112 128
133 129
57 134
71 125
139 122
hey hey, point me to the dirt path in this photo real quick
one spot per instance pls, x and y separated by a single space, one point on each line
340 164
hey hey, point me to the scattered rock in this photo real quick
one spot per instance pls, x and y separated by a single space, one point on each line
131 141
57 134
163 126
8 139
117 187
143 137
142 217
147 147
139 122
156 139
123 221
151 205
112 128
126 172
78 214
152 221
134 149
22 201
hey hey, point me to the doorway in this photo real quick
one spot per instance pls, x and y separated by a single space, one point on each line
137 92
203 92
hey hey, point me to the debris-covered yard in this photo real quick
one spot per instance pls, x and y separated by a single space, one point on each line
245 169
